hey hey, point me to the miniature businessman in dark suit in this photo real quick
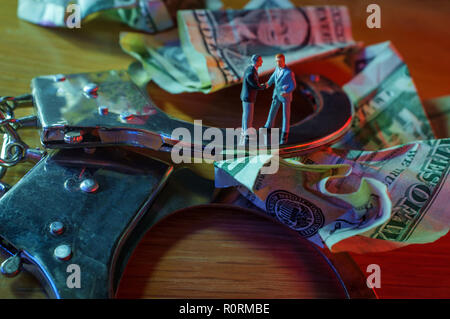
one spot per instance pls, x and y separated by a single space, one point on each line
250 87
284 80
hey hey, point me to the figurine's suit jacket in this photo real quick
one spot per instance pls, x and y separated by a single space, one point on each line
250 85
284 83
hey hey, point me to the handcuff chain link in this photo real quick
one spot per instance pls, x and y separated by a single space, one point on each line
13 149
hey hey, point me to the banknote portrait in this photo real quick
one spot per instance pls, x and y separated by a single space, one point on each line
262 32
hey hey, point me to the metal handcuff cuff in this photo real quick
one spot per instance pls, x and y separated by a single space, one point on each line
54 215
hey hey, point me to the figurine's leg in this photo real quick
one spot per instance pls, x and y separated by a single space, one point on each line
286 120
250 115
247 116
272 113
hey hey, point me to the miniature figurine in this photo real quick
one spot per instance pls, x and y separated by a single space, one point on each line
284 80
250 86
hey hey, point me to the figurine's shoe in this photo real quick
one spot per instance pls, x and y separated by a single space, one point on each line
284 138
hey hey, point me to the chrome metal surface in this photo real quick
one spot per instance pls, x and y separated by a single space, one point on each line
34 154
14 150
90 88
4 188
134 120
96 226
89 150
89 185
125 116
73 137
56 228
103 110
11 266
63 252
59 77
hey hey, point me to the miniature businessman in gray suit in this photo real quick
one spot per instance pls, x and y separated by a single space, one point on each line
284 80
250 86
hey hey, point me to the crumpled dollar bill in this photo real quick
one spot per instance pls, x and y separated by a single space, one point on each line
438 112
388 110
212 48
147 15
396 194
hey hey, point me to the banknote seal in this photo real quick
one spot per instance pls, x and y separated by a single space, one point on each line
296 212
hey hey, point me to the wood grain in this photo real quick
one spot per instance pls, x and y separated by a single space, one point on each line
241 256
236 255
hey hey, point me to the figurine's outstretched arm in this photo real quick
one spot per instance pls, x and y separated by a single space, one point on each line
271 79
253 80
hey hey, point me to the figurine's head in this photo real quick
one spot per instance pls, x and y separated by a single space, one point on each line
279 58
256 60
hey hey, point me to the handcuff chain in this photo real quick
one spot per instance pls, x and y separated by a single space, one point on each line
13 149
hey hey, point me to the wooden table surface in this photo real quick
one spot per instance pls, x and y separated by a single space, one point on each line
222 255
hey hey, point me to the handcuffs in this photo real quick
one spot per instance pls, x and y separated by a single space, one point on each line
89 199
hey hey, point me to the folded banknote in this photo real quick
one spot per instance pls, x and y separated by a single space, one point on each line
388 110
396 194
212 48
147 15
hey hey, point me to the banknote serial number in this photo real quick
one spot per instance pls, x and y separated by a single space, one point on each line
227 308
